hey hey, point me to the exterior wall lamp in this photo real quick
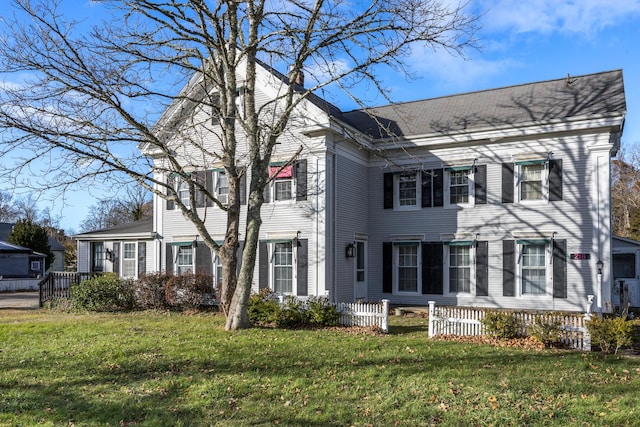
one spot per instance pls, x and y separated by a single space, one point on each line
600 265
350 251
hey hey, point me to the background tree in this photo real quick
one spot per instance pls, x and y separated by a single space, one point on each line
625 193
8 212
136 205
33 236
91 95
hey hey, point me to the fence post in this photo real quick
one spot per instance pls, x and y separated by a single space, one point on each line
432 318
586 340
385 315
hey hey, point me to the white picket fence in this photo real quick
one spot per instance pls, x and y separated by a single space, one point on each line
365 314
461 321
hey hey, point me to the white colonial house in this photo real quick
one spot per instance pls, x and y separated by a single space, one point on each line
497 198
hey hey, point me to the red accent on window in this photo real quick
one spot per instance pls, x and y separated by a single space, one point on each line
286 172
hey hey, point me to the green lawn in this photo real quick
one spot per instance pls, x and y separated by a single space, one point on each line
179 370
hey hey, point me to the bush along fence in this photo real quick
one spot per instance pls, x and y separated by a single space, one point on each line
57 285
356 314
463 321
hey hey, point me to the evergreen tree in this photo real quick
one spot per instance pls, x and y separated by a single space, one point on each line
30 235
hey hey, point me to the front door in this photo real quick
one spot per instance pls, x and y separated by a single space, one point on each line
360 289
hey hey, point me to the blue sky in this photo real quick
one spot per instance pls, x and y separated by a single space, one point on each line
522 42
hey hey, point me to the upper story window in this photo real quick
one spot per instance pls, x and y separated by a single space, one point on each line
183 193
459 187
222 187
287 182
407 189
532 181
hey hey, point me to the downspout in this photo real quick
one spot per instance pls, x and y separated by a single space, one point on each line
335 229
318 226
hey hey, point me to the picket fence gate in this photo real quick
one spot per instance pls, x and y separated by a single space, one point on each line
365 314
465 321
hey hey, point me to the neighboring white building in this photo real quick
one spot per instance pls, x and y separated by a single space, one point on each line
496 198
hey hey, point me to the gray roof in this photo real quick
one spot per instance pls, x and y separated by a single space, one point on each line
592 95
143 226
10 247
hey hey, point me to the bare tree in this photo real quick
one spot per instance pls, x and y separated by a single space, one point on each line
135 205
625 193
92 95
8 212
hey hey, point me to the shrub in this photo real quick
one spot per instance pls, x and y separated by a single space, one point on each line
502 325
191 291
106 292
263 307
149 291
610 333
546 330
293 313
321 312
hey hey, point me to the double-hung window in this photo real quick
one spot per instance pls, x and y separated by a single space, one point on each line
97 256
184 259
222 188
459 268
407 261
533 268
283 268
459 188
531 181
129 260
406 190
282 182
183 193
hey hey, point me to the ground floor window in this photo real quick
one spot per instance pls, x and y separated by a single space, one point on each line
129 260
283 268
97 256
184 259
407 267
533 269
459 269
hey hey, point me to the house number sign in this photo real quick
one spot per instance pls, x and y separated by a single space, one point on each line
580 256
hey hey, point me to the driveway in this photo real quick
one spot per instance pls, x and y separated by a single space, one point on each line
19 300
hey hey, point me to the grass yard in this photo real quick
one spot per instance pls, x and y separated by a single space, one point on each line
155 369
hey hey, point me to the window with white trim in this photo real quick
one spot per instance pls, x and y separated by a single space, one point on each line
532 180
282 184
184 259
407 190
282 267
129 260
459 185
222 187
183 193
97 256
533 269
460 268
407 264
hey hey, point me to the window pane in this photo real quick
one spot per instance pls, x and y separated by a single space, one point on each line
459 187
408 268
98 257
459 269
129 260
407 193
624 265
283 268
222 190
184 260
533 269
183 193
531 182
283 189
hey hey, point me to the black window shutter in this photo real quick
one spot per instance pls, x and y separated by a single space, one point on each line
438 187
302 267
142 258
263 265
243 187
168 259
559 268
387 267
480 183
209 186
171 183
427 184
507 183
301 179
555 180
203 259
508 268
482 268
432 268
116 258
388 190
199 180
267 192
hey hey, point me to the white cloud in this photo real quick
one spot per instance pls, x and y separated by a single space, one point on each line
549 16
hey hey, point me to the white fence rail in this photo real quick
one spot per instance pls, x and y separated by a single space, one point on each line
463 321
365 314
